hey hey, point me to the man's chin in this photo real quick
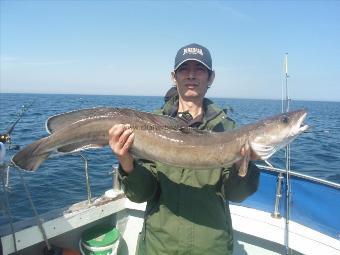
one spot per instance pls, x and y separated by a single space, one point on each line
192 95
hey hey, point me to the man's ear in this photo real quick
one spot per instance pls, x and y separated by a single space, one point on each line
211 78
173 78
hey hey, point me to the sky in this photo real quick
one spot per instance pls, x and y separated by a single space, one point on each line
109 47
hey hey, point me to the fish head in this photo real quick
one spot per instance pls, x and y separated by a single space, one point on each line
276 132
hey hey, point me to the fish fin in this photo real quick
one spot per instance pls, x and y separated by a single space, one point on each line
185 130
199 131
76 147
161 120
60 121
191 130
242 171
63 120
31 157
244 167
263 151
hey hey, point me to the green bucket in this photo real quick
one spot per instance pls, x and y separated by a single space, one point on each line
99 240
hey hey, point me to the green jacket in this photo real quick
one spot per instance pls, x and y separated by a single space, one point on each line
187 210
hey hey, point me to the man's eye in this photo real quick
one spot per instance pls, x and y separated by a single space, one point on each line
201 68
183 68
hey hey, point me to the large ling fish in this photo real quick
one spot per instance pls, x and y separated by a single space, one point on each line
161 138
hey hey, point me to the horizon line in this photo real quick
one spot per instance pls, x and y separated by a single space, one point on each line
141 95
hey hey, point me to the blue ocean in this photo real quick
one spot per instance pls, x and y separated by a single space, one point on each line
60 181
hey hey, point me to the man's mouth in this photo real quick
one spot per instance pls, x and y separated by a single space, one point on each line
191 86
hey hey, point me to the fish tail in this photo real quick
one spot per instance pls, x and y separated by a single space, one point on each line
32 156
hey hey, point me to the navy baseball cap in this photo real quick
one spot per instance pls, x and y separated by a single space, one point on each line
195 52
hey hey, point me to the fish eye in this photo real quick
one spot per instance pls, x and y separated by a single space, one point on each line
285 119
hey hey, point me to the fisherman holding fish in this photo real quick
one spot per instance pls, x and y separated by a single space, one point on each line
188 174
187 209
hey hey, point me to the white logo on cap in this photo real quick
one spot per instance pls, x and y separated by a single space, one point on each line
193 51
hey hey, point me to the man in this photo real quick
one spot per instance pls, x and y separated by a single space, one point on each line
187 210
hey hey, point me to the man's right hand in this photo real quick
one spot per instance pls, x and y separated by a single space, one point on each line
120 140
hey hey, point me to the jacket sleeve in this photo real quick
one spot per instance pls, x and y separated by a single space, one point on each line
141 184
237 188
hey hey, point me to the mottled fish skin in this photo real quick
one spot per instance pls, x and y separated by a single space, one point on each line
161 138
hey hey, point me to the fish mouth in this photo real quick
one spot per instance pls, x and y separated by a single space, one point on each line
301 127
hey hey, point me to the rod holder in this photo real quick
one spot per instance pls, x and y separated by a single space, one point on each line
88 187
115 181
276 214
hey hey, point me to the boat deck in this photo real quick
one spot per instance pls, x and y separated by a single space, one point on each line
256 232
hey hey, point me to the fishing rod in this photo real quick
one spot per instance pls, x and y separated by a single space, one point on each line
5 138
288 187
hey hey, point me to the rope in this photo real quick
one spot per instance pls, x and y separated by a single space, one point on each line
39 220
7 209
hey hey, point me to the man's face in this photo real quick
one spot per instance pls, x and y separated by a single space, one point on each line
192 80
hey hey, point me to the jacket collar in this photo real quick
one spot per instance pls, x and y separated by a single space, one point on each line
211 111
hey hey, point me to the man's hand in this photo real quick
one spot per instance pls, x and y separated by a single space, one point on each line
120 140
247 154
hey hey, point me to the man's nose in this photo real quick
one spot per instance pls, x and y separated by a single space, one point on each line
192 74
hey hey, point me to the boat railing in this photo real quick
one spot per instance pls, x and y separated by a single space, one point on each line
299 175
